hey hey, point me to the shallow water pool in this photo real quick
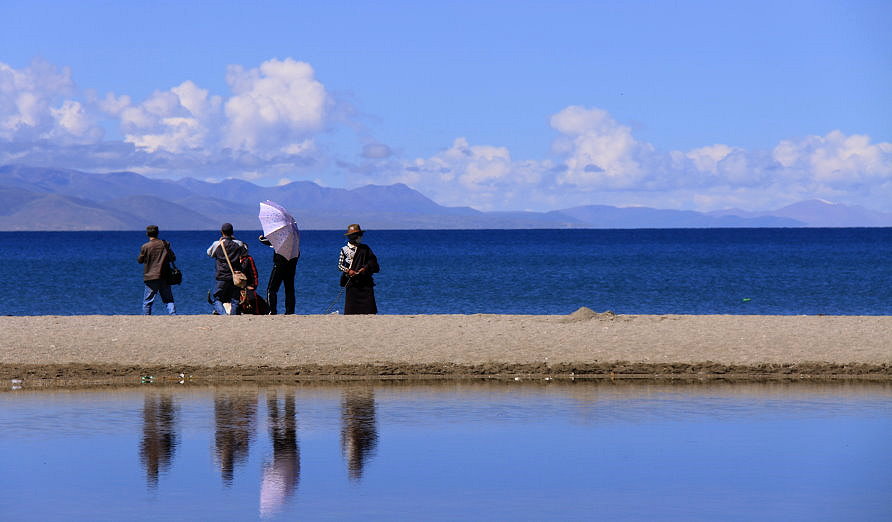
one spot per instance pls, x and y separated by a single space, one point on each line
481 450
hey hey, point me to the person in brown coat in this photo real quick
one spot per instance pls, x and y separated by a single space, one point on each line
155 256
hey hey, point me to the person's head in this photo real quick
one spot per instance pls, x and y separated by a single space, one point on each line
152 230
226 229
354 233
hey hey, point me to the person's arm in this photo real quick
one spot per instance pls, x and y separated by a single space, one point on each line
212 248
250 269
170 255
371 265
342 262
141 258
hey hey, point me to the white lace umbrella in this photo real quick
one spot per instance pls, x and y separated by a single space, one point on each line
280 229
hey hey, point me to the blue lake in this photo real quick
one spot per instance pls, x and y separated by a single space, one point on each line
481 450
708 271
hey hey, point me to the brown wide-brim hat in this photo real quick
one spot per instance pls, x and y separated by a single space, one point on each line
354 229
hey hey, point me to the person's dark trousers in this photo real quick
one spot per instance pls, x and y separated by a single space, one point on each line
283 272
226 291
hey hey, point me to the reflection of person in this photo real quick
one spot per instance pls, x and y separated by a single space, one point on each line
280 477
282 273
159 438
359 435
357 264
154 255
224 290
234 417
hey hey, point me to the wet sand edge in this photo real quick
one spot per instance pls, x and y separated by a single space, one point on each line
81 375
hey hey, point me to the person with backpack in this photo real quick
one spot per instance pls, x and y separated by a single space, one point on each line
229 279
156 255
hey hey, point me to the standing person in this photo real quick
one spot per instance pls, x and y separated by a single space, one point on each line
357 264
282 273
224 290
154 255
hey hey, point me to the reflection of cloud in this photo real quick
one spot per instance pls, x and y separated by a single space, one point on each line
234 417
159 438
359 432
282 474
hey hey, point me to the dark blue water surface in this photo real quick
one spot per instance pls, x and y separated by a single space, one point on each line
451 451
696 271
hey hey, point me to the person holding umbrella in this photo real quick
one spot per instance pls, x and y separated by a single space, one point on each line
357 263
281 233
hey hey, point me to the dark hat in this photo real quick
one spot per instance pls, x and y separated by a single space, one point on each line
354 229
226 229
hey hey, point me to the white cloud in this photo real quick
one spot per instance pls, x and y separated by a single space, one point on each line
267 129
267 125
274 107
184 118
464 174
706 159
836 159
598 161
600 153
36 104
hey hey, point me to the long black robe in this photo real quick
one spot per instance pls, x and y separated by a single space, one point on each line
360 293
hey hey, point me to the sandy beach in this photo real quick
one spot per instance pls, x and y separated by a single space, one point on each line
48 349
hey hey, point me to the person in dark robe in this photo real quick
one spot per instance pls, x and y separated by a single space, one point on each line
357 263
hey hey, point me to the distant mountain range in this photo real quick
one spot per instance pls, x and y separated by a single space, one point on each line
60 199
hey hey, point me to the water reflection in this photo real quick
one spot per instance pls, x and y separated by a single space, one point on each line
359 434
281 474
159 437
234 417
625 451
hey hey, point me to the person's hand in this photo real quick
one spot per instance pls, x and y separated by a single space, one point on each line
351 273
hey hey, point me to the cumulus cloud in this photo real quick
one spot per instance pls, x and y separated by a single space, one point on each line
274 107
267 124
597 160
599 152
275 110
464 174
35 105
267 128
181 119
835 159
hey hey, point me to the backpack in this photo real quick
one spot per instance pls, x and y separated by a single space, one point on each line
252 304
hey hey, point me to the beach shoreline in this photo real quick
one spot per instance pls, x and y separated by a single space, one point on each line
47 351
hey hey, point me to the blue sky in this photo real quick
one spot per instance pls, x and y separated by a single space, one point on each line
497 105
